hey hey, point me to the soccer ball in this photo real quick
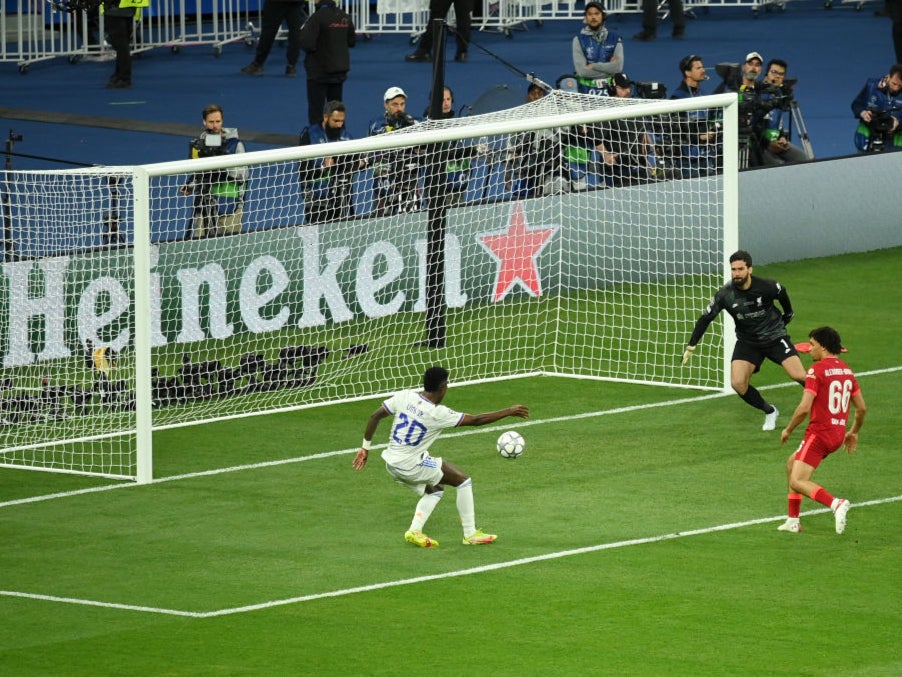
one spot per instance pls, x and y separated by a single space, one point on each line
511 444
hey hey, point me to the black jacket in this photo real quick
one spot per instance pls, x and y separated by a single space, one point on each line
327 38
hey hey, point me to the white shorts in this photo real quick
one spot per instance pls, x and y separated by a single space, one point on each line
428 472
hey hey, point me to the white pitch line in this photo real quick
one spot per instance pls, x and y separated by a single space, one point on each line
449 435
432 577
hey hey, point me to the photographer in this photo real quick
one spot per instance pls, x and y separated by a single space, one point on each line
535 162
218 195
327 180
396 173
773 135
454 157
879 108
627 150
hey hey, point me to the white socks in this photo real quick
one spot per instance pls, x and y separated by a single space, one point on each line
466 508
424 509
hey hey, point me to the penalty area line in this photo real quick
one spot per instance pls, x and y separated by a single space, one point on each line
262 606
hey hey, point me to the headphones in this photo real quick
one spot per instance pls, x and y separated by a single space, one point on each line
686 62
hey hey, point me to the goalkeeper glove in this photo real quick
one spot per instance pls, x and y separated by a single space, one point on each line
787 318
687 354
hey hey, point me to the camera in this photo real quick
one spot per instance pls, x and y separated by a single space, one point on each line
881 122
208 145
881 125
651 90
400 121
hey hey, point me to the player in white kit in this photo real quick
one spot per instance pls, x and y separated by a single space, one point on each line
419 418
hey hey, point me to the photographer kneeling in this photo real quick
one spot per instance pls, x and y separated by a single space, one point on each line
218 195
879 107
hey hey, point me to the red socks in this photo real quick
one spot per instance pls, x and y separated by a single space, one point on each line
822 496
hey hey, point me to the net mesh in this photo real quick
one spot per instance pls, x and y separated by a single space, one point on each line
305 276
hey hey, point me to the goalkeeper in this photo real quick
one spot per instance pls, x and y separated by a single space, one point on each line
760 331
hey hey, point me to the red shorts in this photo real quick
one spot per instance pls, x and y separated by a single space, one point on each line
814 449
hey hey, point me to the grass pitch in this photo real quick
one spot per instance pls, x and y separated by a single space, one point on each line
637 536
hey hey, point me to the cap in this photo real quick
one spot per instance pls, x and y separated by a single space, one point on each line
596 5
753 55
392 92
622 80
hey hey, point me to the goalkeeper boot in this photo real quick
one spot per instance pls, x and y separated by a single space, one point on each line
791 525
420 539
840 515
770 420
480 538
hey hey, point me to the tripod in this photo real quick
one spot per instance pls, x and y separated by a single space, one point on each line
801 129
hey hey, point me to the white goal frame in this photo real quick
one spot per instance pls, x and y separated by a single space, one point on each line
142 178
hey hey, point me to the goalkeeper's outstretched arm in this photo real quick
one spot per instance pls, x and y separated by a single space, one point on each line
701 326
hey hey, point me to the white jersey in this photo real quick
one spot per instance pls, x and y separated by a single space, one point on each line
416 424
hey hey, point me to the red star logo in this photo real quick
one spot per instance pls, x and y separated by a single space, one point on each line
516 249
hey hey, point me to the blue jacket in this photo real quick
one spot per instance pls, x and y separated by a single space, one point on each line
692 124
874 97
319 180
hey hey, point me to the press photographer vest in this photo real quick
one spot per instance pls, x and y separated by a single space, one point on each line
596 51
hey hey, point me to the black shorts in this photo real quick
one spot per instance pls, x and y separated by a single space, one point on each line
776 352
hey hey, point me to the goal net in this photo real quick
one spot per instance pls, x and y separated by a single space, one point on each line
575 235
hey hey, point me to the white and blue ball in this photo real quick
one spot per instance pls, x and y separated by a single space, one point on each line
511 444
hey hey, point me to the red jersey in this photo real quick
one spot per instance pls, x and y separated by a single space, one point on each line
833 385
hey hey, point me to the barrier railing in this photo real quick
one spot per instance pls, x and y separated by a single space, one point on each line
38 31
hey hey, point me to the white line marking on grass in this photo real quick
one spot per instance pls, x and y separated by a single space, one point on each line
106 605
448 435
431 577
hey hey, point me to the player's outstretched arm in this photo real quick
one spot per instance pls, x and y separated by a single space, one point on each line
517 410
360 459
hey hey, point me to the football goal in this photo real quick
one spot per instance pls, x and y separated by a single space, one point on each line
574 236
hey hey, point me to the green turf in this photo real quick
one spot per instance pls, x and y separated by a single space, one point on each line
744 600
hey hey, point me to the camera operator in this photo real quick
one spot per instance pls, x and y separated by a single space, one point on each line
879 107
396 173
327 180
744 81
773 135
697 140
218 195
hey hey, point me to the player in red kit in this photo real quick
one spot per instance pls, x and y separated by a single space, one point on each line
830 388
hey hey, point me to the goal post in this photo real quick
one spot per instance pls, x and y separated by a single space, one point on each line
144 298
